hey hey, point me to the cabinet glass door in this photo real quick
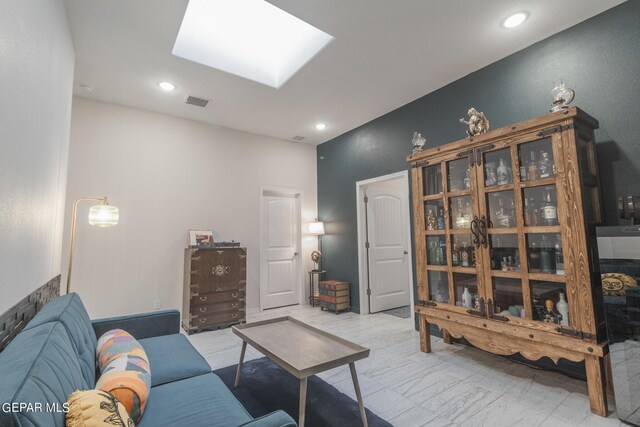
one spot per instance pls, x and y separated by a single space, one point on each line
524 264
449 208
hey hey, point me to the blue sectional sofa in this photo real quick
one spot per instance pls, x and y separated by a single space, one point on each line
56 354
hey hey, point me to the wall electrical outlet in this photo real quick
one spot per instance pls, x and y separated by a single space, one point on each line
156 304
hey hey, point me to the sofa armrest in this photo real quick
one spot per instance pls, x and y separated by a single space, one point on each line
142 325
275 419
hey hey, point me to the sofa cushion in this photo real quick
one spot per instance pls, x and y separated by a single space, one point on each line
39 366
195 402
172 358
69 310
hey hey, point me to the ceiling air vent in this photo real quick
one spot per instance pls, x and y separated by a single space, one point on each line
297 138
198 102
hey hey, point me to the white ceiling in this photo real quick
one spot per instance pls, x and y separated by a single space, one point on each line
385 54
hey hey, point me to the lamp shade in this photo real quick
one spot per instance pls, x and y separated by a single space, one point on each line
316 227
103 215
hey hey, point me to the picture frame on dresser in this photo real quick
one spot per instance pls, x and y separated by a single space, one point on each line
200 238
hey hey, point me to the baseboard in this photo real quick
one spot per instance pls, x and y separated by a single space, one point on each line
252 311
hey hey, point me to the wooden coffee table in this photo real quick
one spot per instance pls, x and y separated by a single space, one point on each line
301 350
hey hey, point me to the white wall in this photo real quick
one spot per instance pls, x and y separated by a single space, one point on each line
167 175
36 81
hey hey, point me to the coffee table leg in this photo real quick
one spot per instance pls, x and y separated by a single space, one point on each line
303 401
356 385
244 348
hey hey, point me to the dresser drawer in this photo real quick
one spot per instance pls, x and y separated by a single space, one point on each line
236 295
218 308
216 319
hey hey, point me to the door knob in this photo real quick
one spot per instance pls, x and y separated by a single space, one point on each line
406 252
296 253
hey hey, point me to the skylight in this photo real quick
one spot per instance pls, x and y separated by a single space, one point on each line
249 38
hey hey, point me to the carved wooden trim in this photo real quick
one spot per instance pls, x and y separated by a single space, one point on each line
13 321
506 345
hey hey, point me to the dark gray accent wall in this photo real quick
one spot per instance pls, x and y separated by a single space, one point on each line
599 58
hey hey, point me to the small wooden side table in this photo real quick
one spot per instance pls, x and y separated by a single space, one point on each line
314 278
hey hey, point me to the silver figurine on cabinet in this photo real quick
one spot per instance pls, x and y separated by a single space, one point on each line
418 142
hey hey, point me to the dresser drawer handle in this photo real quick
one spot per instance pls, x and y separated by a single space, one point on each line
234 295
234 305
234 315
204 319
203 298
203 309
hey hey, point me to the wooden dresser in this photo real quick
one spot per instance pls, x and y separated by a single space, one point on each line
214 288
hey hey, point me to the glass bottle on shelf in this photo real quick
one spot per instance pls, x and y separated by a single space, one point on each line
440 219
516 258
440 254
549 315
464 255
505 264
534 214
512 214
472 257
544 168
546 257
455 255
467 298
523 170
549 210
563 309
534 258
527 213
431 220
467 180
532 171
559 257
433 253
511 264
502 173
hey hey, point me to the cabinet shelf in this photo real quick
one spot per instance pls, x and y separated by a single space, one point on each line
458 193
496 188
435 232
538 182
432 197
546 277
437 267
543 229
507 274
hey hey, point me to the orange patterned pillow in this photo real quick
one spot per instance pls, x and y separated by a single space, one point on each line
125 371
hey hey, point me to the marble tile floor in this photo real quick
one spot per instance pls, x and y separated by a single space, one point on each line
453 385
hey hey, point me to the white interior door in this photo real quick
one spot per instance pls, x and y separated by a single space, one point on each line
280 269
388 258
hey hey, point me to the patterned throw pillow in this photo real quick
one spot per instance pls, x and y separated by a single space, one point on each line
125 371
96 408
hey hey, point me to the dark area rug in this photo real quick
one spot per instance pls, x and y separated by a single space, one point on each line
403 312
264 387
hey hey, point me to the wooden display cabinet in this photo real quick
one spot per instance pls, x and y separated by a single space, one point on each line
505 222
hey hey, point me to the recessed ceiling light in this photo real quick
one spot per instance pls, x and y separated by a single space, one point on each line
249 38
515 20
167 86
321 126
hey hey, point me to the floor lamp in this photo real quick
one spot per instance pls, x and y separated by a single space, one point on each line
102 215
